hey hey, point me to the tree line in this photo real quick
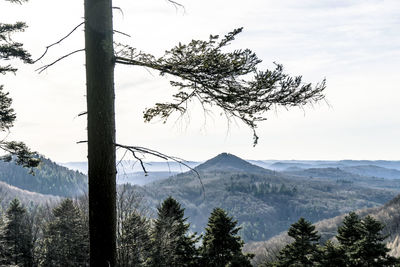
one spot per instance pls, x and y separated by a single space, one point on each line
358 243
60 236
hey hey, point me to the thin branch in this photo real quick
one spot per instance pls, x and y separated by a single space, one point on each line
177 5
119 9
122 33
81 142
59 41
45 67
144 150
122 158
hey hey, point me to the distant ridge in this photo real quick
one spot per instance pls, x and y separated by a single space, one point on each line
388 214
229 162
49 178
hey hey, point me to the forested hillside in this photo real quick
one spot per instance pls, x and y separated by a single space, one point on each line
47 178
29 199
265 202
388 214
58 235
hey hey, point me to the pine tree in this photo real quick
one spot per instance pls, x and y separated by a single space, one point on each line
350 231
304 250
134 243
371 249
65 240
171 244
9 49
221 244
16 237
364 246
229 80
331 255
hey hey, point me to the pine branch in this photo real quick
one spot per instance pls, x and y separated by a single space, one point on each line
229 80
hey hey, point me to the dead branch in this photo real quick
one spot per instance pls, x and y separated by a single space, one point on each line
45 67
58 42
177 5
143 150
122 33
119 9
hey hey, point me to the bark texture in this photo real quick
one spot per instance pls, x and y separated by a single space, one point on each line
101 131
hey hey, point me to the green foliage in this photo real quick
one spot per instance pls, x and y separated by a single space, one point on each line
134 243
350 231
361 242
303 251
360 245
7 115
171 244
262 189
228 80
16 237
9 49
65 239
221 244
331 255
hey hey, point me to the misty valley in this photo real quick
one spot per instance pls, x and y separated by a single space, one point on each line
263 198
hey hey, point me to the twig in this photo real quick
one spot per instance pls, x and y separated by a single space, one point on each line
45 67
176 5
122 158
119 9
59 41
122 33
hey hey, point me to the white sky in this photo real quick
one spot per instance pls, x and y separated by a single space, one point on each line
355 44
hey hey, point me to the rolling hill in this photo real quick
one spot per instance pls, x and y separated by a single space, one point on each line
264 202
29 199
388 214
48 178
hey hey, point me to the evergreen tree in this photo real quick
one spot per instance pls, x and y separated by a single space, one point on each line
364 247
171 244
370 249
304 250
350 230
229 80
9 49
134 243
331 255
221 244
65 240
16 237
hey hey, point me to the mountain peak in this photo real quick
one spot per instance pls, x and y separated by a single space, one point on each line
228 162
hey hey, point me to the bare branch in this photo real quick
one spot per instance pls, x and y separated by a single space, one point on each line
59 41
119 9
177 5
45 67
144 150
123 33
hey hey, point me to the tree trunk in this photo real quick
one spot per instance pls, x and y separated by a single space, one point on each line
101 132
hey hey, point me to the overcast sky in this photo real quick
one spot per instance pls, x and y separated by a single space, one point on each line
354 44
